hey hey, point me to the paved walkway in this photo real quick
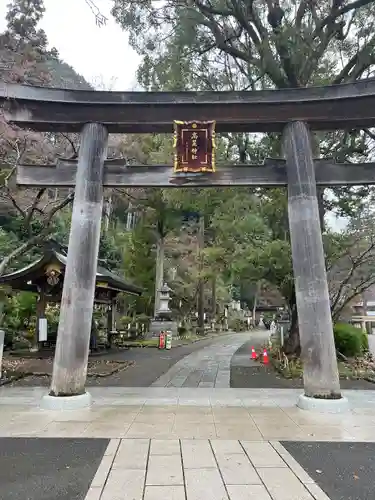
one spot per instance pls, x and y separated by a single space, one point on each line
182 444
149 365
210 366
196 439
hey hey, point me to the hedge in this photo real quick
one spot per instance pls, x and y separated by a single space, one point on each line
349 340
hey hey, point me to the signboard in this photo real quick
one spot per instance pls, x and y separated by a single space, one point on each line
42 329
194 144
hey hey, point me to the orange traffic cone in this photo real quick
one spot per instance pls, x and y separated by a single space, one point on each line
265 357
253 353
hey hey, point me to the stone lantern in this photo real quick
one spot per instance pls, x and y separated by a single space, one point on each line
163 320
164 298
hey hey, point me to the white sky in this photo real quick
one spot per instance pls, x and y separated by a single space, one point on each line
99 54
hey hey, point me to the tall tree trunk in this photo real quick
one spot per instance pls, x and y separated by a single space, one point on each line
129 218
159 272
213 297
255 303
107 214
201 280
93 335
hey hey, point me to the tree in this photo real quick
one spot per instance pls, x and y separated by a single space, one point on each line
30 215
100 19
23 45
157 214
34 212
214 45
350 262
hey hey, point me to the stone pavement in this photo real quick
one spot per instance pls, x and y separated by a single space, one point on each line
210 366
200 469
181 443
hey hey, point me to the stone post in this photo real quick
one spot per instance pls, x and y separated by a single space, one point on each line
321 379
72 347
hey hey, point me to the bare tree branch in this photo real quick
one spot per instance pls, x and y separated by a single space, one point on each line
38 238
337 12
100 19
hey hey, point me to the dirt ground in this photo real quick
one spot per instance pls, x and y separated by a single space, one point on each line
18 369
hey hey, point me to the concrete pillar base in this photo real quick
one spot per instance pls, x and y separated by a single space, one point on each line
323 405
62 403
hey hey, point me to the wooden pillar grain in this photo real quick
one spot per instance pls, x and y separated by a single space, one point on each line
72 347
321 378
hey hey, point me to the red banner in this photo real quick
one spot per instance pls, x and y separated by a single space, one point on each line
194 144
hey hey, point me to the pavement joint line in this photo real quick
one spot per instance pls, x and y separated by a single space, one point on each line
256 469
146 470
107 457
219 470
112 447
315 491
183 469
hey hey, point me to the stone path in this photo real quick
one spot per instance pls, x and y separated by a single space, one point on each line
200 469
210 366
149 365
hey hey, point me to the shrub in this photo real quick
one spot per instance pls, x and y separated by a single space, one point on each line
236 324
349 340
143 319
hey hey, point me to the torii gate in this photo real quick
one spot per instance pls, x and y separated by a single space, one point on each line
294 112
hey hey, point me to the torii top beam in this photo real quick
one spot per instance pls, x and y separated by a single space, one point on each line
345 106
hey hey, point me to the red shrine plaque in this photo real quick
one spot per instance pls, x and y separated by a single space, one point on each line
194 144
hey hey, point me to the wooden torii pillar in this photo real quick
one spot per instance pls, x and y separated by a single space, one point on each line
320 372
73 338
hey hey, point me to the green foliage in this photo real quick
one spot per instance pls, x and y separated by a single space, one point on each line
349 340
139 265
8 242
13 233
19 311
236 324
143 319
199 55
110 252
52 315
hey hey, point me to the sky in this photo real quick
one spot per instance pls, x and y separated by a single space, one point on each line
101 54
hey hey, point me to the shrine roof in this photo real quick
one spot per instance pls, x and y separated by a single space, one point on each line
23 279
